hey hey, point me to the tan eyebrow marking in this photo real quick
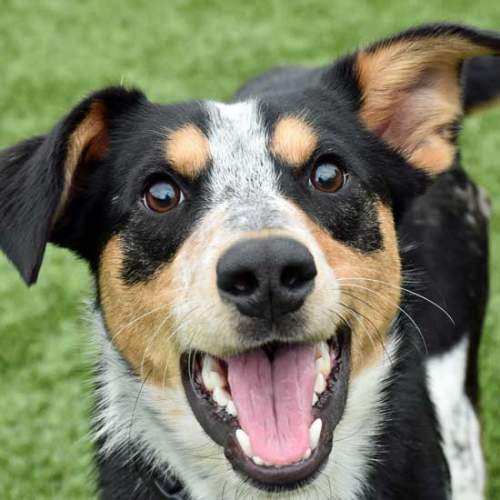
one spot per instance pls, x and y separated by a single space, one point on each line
293 141
187 150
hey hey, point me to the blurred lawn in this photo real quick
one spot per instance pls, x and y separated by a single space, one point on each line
52 52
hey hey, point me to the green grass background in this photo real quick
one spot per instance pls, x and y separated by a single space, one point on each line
53 52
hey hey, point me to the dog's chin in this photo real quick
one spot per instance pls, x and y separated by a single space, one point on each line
274 410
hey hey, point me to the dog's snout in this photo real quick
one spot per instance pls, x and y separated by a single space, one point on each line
266 278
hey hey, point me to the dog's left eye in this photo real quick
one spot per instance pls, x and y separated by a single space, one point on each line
327 176
162 195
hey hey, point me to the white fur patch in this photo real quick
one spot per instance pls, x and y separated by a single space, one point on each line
162 424
458 422
242 167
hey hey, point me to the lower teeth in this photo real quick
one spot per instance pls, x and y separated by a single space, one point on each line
315 433
246 446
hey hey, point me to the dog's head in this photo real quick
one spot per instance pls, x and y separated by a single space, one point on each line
246 255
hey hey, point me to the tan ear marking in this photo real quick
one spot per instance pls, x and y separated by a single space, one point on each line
187 150
90 139
411 95
293 141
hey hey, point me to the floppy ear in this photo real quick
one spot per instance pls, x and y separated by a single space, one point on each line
411 91
37 176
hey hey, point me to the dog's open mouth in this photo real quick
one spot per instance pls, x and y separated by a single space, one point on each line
273 409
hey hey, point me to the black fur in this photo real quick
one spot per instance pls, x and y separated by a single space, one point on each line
31 184
446 232
124 474
482 82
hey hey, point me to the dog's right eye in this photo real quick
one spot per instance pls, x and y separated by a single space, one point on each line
162 195
327 176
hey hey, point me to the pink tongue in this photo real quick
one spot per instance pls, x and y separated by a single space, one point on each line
274 400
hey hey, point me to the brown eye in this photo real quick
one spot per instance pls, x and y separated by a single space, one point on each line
162 196
327 177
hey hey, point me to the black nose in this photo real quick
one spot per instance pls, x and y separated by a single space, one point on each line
266 278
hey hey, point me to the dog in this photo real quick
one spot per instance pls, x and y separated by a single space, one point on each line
290 287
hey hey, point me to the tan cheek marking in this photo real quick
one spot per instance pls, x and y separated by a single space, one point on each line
137 319
375 303
293 141
187 150
411 118
91 138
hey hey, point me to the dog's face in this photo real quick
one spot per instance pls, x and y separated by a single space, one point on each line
246 255
253 244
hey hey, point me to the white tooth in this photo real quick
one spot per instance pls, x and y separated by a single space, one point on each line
212 363
323 366
244 441
319 384
216 380
314 433
210 374
323 359
221 396
317 352
231 409
322 349
257 460
206 372
307 454
315 399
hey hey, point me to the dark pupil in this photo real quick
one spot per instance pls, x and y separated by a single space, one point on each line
163 192
327 176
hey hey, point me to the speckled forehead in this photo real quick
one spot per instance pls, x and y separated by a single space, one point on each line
242 167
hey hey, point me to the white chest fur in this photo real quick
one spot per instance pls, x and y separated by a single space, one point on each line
458 421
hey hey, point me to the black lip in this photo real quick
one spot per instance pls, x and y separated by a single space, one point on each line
222 428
